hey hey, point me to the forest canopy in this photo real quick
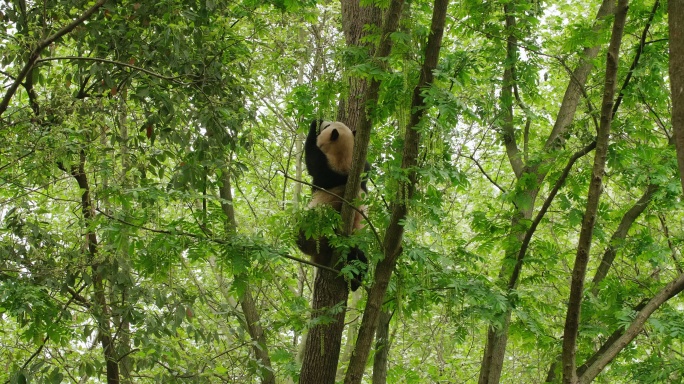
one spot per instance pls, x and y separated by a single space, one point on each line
523 223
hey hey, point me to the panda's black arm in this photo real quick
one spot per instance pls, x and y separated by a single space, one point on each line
315 159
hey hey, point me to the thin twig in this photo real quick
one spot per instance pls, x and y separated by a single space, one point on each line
485 173
100 60
214 240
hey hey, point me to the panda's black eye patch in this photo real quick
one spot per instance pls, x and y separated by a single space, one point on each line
334 135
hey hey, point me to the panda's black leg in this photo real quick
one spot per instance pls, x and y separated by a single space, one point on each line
357 254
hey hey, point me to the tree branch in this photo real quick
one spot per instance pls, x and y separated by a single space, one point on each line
485 173
507 88
566 112
513 281
620 234
668 292
635 62
113 62
35 54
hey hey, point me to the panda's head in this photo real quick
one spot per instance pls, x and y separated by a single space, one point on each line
336 141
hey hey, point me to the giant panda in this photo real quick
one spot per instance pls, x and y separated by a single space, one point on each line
328 156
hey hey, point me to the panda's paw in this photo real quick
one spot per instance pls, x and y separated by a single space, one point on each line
356 254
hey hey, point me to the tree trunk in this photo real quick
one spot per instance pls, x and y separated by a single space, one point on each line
352 329
354 18
382 346
323 342
495 348
122 286
399 206
249 308
98 268
676 25
595 187
322 349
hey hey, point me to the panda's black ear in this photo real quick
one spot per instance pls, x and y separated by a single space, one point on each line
354 133
334 134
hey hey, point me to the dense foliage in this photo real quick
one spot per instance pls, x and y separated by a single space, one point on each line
151 188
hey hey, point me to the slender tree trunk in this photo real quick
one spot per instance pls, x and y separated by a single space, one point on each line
122 285
247 303
382 346
495 348
352 329
98 269
595 188
399 207
676 25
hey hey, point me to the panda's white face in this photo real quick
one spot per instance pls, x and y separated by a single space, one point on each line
336 141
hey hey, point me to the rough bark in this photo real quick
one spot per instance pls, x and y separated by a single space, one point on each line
322 349
399 207
354 18
676 25
363 127
247 303
595 187
324 340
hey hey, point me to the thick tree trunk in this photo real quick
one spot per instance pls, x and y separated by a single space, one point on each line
322 349
595 187
399 207
354 17
323 342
